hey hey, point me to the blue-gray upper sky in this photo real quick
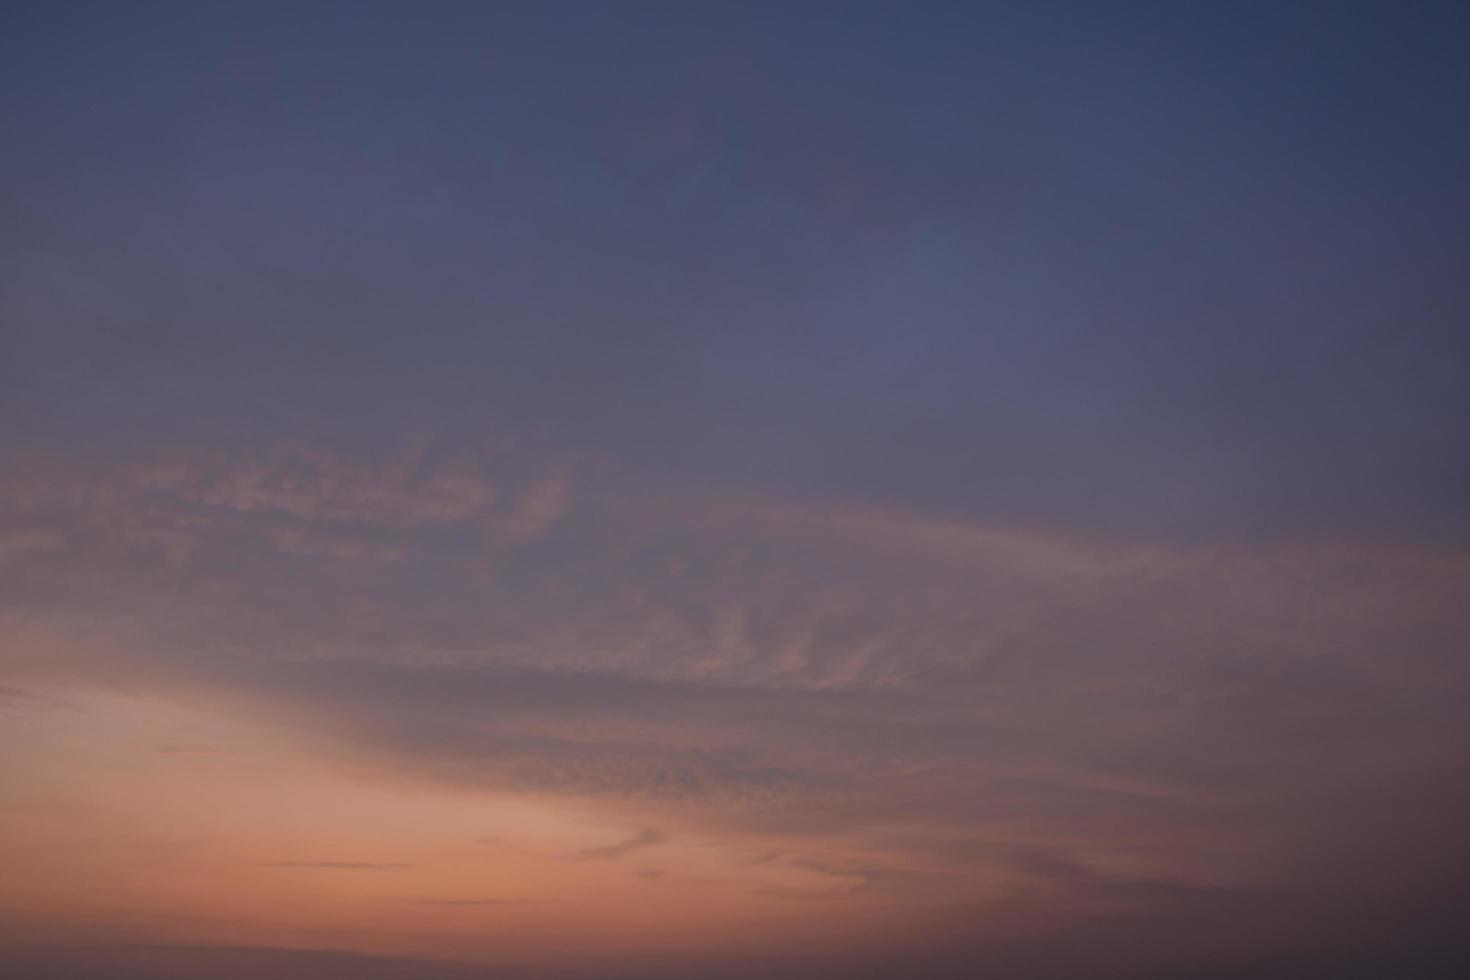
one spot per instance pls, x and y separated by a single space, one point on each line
1165 268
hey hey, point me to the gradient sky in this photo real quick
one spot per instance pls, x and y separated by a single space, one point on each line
637 491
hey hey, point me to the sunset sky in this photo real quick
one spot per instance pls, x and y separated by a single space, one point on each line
706 491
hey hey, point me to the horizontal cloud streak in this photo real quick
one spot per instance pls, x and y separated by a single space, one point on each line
648 837
336 865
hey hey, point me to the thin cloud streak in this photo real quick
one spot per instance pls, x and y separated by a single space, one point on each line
337 865
648 837
465 902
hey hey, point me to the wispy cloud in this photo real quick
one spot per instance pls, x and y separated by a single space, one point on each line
11 696
337 865
166 962
647 837
189 748
466 902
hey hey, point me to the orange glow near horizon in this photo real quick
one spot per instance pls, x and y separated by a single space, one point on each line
275 708
147 820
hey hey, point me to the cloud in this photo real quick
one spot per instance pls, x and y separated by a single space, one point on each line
18 700
162 962
311 483
466 902
647 837
185 748
21 543
337 865
13 696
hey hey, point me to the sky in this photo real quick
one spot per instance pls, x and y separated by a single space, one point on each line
696 491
